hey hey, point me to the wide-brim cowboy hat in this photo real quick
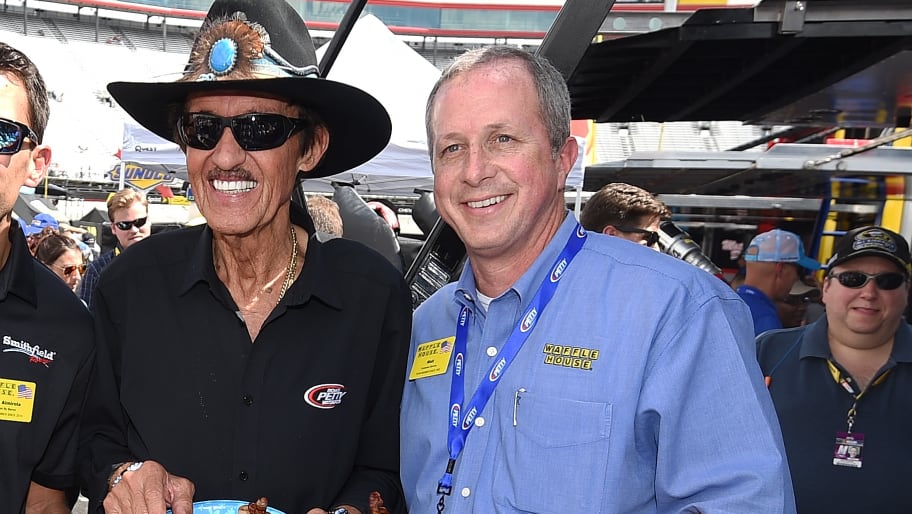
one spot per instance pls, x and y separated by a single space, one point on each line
262 35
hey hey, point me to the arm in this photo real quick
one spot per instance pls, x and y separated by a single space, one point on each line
377 466
707 411
103 450
43 500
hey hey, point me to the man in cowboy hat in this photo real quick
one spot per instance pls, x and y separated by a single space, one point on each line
279 369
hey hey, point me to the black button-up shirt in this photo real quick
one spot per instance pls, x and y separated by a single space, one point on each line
307 415
46 352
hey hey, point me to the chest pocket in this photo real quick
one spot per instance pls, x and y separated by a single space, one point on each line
556 457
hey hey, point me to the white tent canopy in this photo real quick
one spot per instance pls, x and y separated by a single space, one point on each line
376 61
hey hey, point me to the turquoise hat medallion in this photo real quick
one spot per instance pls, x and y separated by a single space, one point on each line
223 56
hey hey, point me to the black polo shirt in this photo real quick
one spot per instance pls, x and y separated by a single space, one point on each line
307 415
46 353
812 407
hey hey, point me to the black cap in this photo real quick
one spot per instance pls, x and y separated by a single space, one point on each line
872 241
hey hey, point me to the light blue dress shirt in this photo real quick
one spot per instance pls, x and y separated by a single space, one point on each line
637 392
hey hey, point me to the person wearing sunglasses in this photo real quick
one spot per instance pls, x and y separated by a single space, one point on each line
278 371
63 256
793 308
128 210
774 261
625 211
46 333
841 384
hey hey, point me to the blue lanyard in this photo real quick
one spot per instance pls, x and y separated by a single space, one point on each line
459 427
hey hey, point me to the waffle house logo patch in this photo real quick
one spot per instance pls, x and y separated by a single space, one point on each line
576 357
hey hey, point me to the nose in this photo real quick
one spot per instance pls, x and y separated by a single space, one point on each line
227 154
479 166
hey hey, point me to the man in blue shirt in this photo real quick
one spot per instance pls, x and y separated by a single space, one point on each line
569 371
775 260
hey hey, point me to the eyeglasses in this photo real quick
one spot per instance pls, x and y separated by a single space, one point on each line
68 270
649 237
12 134
802 299
857 279
127 225
253 132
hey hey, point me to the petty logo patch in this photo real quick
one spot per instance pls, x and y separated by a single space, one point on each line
325 396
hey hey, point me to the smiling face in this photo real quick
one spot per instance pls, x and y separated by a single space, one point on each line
495 180
238 191
867 315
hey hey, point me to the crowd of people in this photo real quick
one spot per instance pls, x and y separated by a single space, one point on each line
570 367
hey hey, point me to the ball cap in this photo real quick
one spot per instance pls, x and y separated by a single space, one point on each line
876 241
779 246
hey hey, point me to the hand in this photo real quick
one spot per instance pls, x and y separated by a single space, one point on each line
150 489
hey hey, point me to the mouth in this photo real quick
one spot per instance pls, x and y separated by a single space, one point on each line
233 186
487 202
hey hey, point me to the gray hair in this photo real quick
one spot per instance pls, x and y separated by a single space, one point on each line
553 96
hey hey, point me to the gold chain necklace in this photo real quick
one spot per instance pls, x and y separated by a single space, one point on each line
292 265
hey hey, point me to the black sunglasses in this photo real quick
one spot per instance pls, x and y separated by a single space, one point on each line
68 270
650 237
857 279
802 299
127 225
12 134
253 132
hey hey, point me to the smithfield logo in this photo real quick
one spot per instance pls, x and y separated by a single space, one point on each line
580 232
529 321
498 369
558 270
470 417
454 415
35 353
458 365
325 396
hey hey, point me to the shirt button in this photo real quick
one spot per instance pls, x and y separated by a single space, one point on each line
243 476
248 400
465 492
491 351
479 421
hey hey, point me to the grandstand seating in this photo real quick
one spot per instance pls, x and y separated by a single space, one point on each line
86 128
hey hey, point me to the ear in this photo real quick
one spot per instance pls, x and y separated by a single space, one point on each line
312 155
39 161
567 158
610 230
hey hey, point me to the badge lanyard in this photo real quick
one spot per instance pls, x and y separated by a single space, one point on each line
849 445
459 427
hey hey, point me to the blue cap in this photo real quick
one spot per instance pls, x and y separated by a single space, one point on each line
39 223
779 246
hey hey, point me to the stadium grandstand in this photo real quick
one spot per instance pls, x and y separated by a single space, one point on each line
80 46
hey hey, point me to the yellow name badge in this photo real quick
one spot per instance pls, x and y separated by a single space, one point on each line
17 399
432 358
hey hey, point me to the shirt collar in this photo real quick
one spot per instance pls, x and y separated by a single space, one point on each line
817 343
201 266
18 274
529 282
